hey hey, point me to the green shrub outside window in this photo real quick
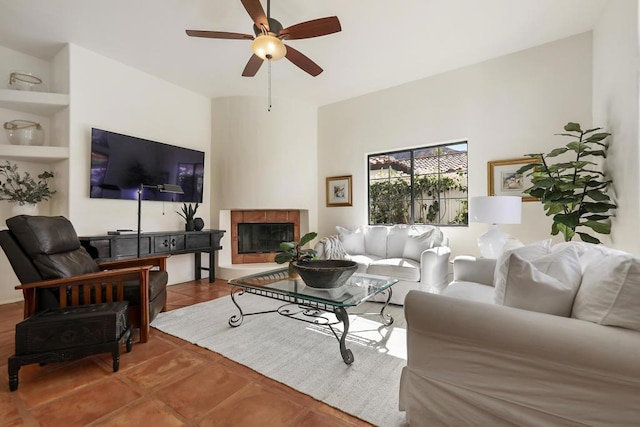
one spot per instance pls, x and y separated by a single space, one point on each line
426 185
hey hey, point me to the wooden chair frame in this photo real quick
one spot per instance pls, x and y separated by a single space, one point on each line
82 289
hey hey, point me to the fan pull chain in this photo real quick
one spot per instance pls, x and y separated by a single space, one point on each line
269 109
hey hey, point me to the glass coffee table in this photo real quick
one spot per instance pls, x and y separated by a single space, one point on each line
311 305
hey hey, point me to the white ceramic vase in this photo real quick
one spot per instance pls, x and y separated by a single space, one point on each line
27 209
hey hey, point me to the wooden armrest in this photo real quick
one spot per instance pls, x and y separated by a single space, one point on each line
156 261
93 288
131 273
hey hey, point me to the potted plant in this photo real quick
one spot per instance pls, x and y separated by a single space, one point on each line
188 213
24 189
292 251
574 192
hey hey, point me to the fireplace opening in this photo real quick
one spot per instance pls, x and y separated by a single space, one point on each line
254 238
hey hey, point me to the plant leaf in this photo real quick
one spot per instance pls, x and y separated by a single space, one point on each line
598 207
557 151
572 127
283 257
598 227
568 220
587 238
598 195
597 137
287 246
307 238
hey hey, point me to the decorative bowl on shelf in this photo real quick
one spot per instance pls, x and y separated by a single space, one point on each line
25 81
326 274
24 132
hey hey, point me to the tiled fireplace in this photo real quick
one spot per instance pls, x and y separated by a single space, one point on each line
256 234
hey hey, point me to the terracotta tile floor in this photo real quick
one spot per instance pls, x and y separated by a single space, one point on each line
165 382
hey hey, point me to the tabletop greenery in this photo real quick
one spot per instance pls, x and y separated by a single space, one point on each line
23 189
188 212
291 251
574 191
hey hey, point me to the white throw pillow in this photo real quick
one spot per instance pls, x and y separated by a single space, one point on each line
352 240
527 253
396 240
415 245
610 290
546 285
375 240
436 234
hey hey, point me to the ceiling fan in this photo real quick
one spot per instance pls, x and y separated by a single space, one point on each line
268 43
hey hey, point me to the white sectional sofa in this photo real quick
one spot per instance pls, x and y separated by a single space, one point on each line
541 337
417 255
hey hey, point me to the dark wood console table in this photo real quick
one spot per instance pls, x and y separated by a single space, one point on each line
119 246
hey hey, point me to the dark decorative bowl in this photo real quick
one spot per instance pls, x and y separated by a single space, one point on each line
327 274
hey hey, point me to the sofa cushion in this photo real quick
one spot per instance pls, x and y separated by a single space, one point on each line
527 253
352 240
470 291
416 244
396 240
363 261
375 240
400 268
610 289
437 238
546 285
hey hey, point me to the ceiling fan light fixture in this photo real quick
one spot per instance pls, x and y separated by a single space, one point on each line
268 47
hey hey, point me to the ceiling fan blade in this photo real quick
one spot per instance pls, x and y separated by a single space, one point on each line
314 28
252 66
302 62
219 35
256 12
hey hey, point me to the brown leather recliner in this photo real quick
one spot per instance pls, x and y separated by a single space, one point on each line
56 271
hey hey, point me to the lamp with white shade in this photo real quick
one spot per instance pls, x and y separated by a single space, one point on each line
494 210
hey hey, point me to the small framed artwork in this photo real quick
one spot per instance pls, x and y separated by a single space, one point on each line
503 181
339 191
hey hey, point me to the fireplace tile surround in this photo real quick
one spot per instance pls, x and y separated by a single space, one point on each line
254 216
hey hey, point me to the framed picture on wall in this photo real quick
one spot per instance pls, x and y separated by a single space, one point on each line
339 191
503 181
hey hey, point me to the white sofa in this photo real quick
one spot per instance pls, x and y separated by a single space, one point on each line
417 255
472 361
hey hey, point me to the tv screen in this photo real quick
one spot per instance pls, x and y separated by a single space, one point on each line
120 163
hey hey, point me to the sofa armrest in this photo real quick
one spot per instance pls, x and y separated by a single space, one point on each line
434 266
472 363
511 331
472 269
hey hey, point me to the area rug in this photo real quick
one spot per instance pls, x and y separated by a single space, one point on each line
305 356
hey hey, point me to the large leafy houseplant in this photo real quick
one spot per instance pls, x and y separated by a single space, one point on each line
24 189
574 192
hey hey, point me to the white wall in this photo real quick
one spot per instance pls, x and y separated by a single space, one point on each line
504 108
615 108
112 96
263 160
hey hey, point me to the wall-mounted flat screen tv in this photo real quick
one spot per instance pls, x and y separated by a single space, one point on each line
120 163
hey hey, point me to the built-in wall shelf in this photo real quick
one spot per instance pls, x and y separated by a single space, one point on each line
39 103
36 154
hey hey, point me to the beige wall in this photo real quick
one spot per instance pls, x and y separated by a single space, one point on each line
615 108
504 108
262 160
112 96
